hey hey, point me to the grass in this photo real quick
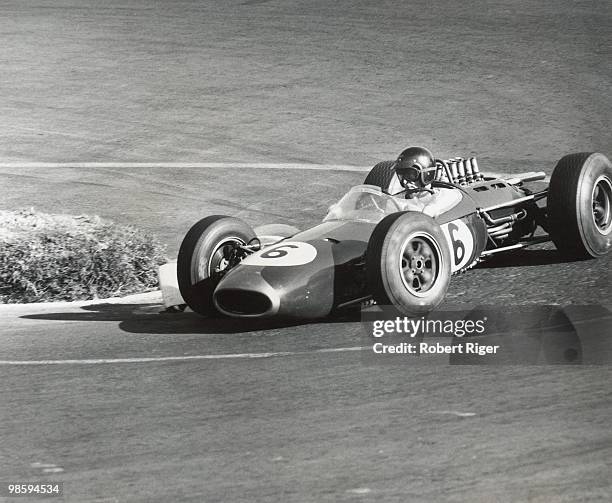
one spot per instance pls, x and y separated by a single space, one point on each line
47 258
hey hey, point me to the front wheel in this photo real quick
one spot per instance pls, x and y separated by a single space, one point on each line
408 264
207 252
580 205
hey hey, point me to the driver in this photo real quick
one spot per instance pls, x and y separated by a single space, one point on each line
416 170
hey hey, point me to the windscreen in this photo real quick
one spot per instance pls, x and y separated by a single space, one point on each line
365 203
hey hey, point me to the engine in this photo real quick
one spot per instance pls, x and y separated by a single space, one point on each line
458 170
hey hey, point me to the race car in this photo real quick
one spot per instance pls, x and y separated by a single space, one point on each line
396 240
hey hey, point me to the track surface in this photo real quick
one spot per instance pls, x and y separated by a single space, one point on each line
516 83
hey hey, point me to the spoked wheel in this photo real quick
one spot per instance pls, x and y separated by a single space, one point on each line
420 263
408 263
208 251
580 205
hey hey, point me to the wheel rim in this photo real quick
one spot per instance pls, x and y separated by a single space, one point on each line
219 258
601 203
420 263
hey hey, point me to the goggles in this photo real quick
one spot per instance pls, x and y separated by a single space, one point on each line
416 175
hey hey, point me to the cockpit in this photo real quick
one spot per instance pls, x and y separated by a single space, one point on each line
368 203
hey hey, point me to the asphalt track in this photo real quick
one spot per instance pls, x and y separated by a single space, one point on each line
125 403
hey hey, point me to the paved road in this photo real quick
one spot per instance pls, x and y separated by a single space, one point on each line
516 83
305 424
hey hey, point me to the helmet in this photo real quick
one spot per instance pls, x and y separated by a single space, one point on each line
415 167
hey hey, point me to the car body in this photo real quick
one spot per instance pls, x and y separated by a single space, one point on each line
377 246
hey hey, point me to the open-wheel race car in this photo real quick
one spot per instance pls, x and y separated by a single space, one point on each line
397 239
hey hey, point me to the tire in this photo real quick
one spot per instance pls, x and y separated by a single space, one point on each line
392 281
201 253
579 205
382 175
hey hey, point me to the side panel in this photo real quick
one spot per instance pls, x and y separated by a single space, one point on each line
482 195
492 192
466 238
464 208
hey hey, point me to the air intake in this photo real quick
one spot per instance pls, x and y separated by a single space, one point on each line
243 302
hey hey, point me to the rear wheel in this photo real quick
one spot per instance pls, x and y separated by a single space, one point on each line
580 205
408 263
383 175
206 254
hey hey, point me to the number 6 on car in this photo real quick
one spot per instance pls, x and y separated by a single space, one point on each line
461 243
289 253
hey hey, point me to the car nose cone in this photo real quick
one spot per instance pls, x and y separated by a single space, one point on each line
299 288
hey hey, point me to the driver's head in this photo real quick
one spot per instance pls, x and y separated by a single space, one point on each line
415 168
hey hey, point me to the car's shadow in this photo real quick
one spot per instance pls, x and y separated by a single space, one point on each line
153 319
523 258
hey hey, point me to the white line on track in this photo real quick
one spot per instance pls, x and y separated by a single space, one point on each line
200 165
182 165
161 359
